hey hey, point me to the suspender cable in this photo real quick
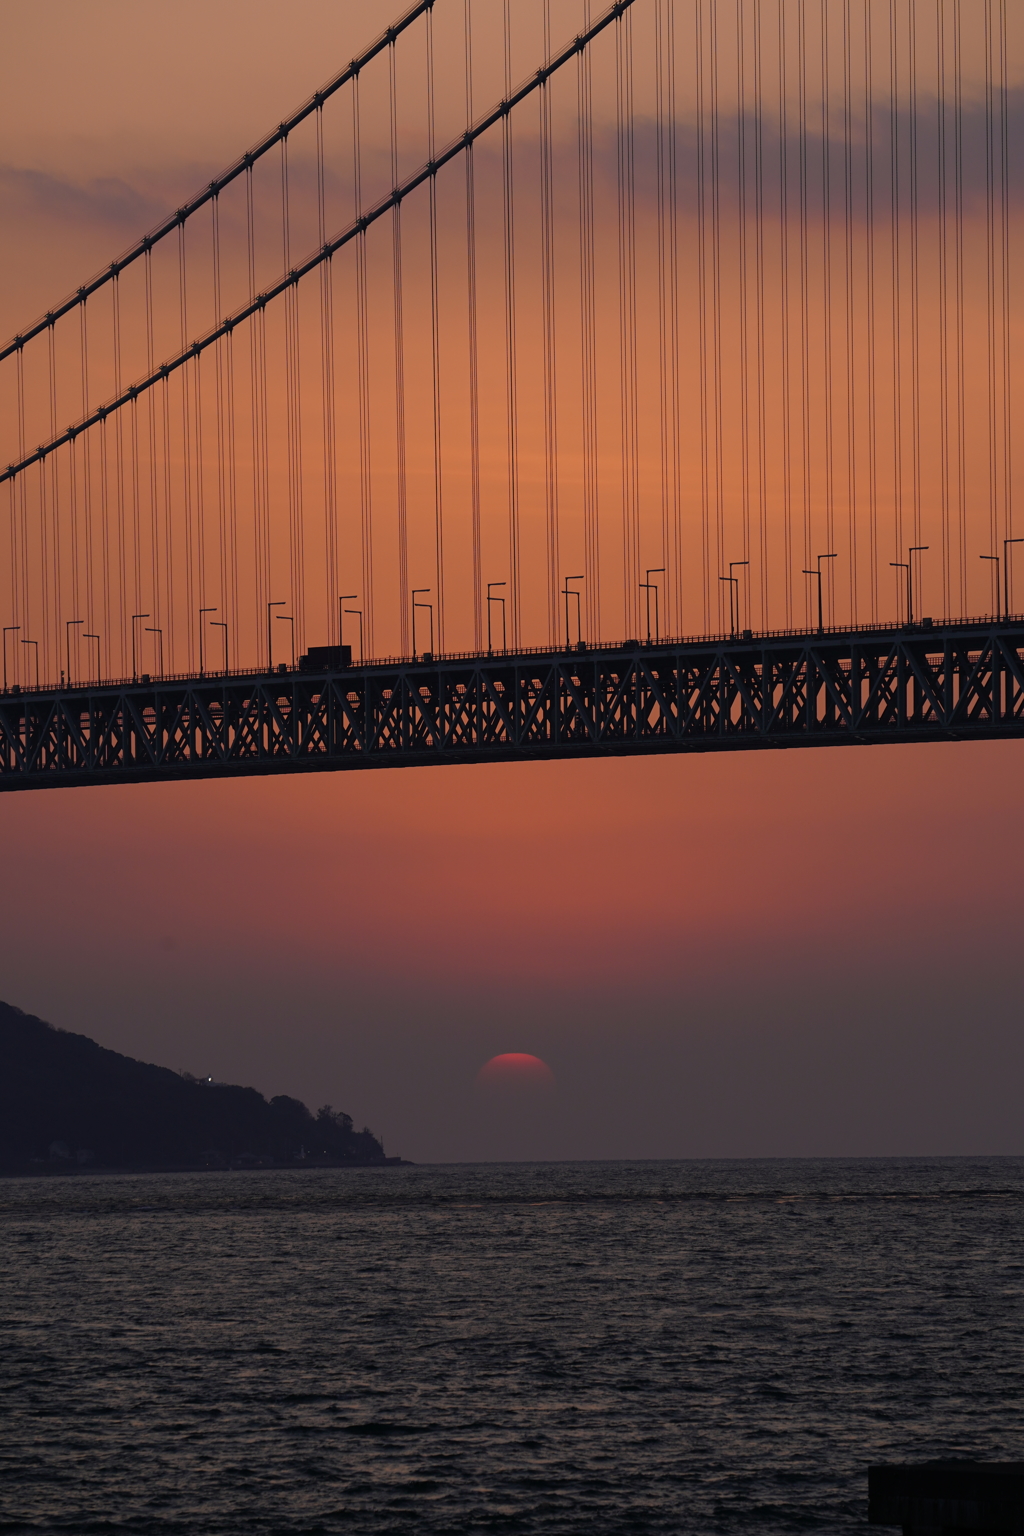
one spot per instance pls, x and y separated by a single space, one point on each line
717 311
199 588
550 353
787 402
11 673
220 391
327 396
853 556
260 464
136 522
400 450
52 567
293 404
108 629
702 319
122 596
588 338
805 318
915 274
511 383
156 605
474 351
673 268
20 594
664 305
45 560
192 602
743 276
759 259
435 345
872 332
168 503
943 299
86 440
75 594
1004 194
958 239
363 379
896 255
627 324
991 301
828 358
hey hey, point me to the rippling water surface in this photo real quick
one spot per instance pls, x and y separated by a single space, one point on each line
591 1348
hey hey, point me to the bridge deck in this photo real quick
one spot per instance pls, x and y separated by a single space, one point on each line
946 682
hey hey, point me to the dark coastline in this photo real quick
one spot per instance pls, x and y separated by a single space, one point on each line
69 1105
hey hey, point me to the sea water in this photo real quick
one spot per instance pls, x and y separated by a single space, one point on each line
580 1348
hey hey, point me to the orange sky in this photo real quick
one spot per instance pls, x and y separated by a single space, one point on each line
759 953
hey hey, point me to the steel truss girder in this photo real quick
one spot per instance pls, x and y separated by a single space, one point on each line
954 682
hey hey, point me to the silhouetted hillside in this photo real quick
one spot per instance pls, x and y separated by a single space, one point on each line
68 1102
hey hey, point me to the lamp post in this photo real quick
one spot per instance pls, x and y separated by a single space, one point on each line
995 562
222 624
357 613
430 608
649 586
99 669
270 634
202 651
160 653
286 618
734 587
8 629
36 644
908 566
135 618
346 597
817 573
1006 574
68 626
568 592
501 600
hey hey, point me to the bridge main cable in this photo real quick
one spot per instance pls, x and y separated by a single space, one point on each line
450 152
240 166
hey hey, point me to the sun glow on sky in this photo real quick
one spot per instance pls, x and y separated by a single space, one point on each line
516 1069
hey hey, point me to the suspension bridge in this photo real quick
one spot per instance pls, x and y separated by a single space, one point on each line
662 404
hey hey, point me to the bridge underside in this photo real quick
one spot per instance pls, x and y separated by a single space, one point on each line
954 682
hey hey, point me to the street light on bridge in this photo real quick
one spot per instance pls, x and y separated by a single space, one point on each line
286 618
650 586
908 566
135 668
99 669
357 613
430 609
202 649
821 610
69 624
568 592
217 624
160 652
36 644
8 629
501 600
270 634
734 589
1005 612
346 597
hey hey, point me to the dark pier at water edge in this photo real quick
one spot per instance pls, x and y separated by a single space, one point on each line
935 1497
